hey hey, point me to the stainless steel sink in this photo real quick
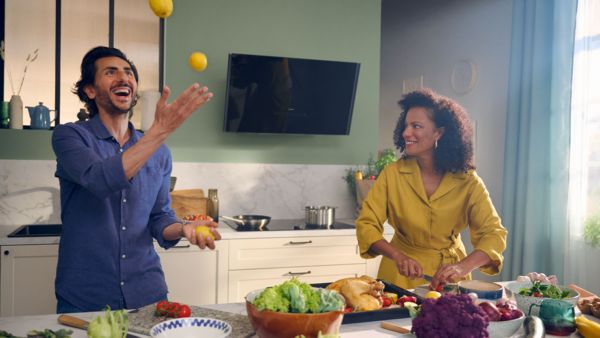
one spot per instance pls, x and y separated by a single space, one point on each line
37 230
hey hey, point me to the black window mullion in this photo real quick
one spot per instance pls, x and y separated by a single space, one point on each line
57 48
111 23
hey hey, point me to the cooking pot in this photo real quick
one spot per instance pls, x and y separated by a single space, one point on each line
322 216
249 221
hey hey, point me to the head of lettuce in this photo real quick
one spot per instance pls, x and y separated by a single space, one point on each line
297 297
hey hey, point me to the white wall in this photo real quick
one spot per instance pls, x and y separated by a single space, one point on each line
426 38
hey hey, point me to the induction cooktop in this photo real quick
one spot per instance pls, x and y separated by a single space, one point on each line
290 225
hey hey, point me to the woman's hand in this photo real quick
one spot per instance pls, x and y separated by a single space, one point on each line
449 274
196 237
407 266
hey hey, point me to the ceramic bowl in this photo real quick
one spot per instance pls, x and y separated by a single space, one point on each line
505 328
191 327
525 302
483 290
269 324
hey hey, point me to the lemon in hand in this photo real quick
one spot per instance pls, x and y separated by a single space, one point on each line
198 61
432 295
162 8
205 231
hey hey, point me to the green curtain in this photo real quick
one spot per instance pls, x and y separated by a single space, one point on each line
536 159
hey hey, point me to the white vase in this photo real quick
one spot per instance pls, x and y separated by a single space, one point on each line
15 112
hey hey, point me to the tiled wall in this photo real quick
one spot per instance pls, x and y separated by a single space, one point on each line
29 192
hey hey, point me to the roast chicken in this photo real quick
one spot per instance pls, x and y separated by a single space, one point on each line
362 293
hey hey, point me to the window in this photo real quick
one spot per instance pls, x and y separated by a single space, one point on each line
31 25
585 121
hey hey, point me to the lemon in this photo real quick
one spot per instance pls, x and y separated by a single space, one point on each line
198 61
162 8
433 295
205 231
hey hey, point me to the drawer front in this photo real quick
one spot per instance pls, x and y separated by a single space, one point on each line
285 252
241 282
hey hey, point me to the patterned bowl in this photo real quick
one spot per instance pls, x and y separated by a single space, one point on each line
191 327
270 324
505 328
524 302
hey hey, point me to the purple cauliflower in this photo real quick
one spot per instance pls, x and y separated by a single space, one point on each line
450 316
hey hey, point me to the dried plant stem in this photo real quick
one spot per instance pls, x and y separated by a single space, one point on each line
12 87
22 80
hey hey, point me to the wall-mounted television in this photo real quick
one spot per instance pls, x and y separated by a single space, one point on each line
283 95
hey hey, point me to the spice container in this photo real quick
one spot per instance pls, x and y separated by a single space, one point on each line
213 205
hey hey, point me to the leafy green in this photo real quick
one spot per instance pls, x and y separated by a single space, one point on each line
295 296
546 290
46 333
62 333
114 324
386 157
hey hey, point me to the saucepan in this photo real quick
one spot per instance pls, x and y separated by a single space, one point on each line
321 216
249 222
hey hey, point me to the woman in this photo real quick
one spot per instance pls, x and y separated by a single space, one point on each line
429 196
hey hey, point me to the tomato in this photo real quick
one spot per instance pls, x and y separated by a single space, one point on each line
405 299
348 309
386 302
183 311
162 308
537 294
172 309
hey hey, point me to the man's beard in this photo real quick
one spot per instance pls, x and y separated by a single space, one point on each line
111 108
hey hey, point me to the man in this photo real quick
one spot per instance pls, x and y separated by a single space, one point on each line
114 187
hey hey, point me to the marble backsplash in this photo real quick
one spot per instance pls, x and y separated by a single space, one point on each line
29 192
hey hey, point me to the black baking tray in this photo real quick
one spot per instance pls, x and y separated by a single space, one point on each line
377 315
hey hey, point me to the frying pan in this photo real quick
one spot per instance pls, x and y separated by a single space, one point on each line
249 221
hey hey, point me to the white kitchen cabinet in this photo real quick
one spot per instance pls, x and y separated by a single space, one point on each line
27 279
193 275
257 263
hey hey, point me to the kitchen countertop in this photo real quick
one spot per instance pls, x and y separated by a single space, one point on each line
224 229
20 325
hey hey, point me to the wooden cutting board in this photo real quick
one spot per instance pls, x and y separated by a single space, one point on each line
188 202
144 319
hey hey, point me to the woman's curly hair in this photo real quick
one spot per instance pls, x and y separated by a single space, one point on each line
454 152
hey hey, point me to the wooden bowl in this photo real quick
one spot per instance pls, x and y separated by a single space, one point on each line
270 324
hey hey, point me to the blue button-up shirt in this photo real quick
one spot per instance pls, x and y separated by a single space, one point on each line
106 252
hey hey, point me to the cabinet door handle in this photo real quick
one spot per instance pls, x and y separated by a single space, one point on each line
299 243
181 246
298 273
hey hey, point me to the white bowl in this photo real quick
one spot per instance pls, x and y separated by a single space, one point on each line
191 327
505 328
524 302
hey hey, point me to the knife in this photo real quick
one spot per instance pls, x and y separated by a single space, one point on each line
427 278
81 324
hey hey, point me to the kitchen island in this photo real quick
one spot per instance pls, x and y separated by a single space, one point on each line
20 325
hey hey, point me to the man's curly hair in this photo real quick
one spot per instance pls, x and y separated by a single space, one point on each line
454 152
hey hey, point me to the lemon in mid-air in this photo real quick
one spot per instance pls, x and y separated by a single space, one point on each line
198 61
205 231
162 8
433 295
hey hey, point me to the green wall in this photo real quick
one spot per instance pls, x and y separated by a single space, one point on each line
344 30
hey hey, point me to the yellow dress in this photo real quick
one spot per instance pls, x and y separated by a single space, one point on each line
428 229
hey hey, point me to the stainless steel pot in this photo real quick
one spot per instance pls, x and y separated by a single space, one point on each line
319 215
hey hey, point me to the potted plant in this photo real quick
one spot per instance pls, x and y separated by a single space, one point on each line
361 178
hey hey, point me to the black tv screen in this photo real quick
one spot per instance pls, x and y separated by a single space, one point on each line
282 95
